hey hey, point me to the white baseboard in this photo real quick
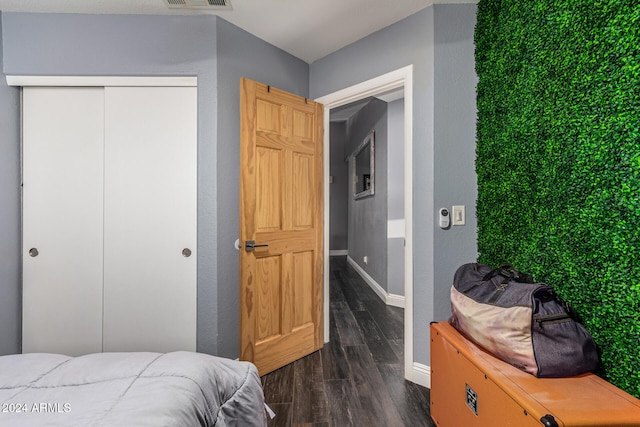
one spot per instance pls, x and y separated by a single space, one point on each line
338 252
395 300
419 374
389 299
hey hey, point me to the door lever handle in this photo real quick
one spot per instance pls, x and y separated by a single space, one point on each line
250 245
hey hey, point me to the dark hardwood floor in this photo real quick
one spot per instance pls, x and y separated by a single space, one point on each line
358 378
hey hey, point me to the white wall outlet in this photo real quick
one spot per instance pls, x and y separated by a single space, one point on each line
458 217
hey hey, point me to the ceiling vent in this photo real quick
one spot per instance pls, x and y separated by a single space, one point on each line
199 4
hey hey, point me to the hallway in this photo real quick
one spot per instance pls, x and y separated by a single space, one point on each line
358 377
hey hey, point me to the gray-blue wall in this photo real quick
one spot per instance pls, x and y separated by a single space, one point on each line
454 149
204 46
339 189
395 159
10 261
395 195
438 41
367 227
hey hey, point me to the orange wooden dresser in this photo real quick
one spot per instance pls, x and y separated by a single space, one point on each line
470 387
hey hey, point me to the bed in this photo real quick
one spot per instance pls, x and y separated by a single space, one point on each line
179 389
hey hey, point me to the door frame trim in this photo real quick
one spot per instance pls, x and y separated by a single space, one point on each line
400 78
169 81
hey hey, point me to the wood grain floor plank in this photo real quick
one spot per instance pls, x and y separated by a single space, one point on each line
284 412
390 320
311 425
372 392
278 385
310 396
344 405
398 348
348 330
351 295
335 291
375 339
334 362
333 329
362 289
409 400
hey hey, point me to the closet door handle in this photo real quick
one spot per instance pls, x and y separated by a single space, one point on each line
33 252
186 252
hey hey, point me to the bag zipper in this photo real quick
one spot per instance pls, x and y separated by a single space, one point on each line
498 293
551 319
500 287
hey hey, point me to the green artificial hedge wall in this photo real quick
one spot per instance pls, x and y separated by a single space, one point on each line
558 159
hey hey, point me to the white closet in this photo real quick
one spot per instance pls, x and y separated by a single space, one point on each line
109 218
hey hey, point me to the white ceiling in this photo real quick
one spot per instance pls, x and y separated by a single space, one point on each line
307 29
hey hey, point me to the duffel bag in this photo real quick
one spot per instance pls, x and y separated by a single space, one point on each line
525 324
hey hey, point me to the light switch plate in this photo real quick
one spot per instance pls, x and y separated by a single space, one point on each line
458 215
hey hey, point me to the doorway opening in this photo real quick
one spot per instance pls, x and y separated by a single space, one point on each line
401 79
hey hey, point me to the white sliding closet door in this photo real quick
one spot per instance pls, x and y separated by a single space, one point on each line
62 219
150 219
109 219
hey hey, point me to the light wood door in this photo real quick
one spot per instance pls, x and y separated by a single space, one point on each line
281 297
62 220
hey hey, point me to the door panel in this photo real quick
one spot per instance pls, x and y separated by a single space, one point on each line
302 295
281 206
302 188
268 273
62 219
150 217
269 164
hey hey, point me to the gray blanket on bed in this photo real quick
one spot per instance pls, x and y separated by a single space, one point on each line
129 389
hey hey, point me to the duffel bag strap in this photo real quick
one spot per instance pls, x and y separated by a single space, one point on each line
509 272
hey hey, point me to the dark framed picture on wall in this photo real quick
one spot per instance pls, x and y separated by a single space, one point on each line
366 182
363 160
